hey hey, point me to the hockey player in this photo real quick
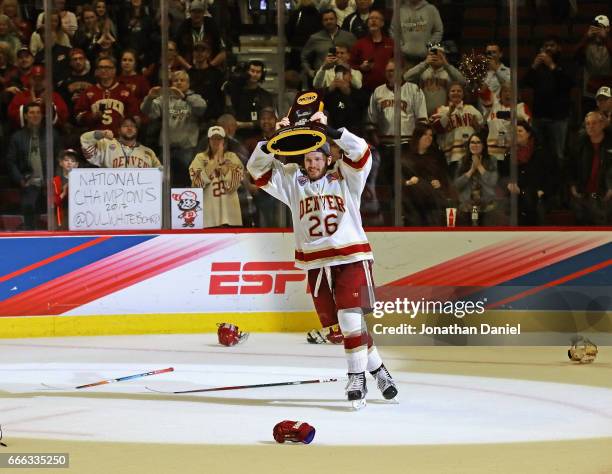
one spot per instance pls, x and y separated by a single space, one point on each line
331 243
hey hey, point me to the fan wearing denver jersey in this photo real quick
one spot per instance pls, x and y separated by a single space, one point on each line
331 243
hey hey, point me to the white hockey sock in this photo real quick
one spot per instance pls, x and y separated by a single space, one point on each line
374 360
355 339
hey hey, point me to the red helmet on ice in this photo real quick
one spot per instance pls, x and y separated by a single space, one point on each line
229 335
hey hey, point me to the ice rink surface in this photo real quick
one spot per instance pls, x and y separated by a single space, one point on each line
444 400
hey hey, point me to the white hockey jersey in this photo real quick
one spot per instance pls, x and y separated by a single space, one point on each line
326 218
106 153
381 111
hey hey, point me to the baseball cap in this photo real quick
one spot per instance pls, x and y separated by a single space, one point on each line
602 20
216 130
38 70
24 49
197 5
605 91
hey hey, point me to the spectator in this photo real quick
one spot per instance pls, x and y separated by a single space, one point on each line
37 40
17 108
22 28
135 29
344 103
24 63
26 161
9 37
130 77
594 53
304 21
420 25
454 123
343 8
498 72
318 45
434 76
200 28
88 33
590 173
603 100
357 22
381 121
185 108
79 79
105 23
476 183
104 105
207 81
219 173
497 113
552 86
381 110
267 210
9 74
372 52
67 161
532 161
327 72
176 62
247 98
103 150
106 47
67 18
425 180
230 126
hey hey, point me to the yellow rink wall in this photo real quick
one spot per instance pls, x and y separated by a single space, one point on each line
143 283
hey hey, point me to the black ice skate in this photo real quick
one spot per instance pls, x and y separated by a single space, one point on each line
385 382
356 390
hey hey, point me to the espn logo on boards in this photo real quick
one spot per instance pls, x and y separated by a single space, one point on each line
252 278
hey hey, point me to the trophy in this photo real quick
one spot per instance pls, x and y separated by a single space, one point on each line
302 135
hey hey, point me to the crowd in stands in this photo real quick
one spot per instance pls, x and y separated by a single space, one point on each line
454 135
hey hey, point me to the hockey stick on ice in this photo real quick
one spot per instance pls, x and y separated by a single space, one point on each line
120 379
241 387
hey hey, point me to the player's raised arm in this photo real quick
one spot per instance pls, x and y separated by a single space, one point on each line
270 174
357 162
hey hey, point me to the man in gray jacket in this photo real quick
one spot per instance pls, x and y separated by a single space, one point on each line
318 45
434 76
420 25
185 107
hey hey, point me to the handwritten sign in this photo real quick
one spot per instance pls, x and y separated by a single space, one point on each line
115 198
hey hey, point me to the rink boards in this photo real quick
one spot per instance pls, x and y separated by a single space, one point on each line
187 282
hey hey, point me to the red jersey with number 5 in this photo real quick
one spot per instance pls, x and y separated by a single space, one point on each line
326 218
112 104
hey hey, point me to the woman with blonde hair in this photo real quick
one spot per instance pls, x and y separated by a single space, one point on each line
219 173
60 37
8 36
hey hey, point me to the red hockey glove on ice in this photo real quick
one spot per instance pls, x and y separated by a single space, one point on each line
295 431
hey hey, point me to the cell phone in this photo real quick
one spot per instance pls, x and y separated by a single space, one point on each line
339 75
332 51
503 114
